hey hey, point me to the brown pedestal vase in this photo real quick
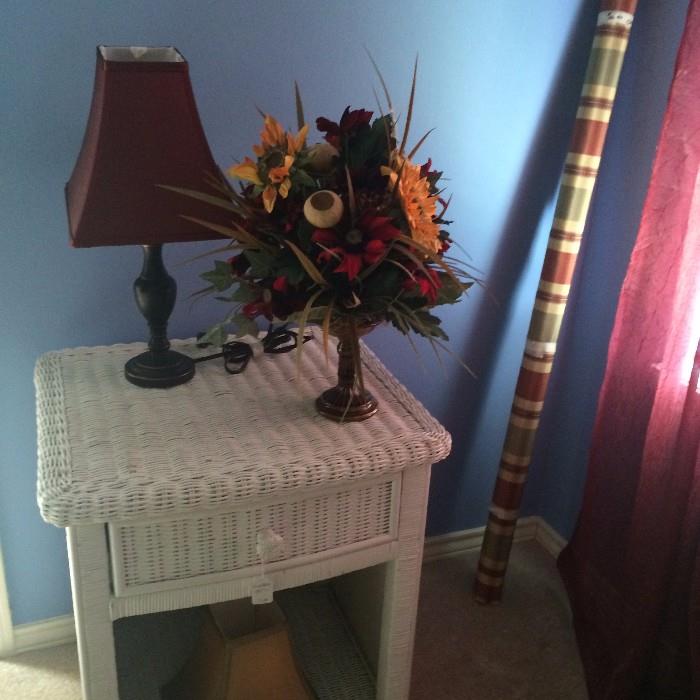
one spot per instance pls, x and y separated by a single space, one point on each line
348 400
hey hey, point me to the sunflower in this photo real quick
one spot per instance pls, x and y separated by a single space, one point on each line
418 205
273 136
276 156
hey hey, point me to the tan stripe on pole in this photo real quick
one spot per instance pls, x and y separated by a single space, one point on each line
580 172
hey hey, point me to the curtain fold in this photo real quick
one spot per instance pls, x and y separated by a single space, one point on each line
632 568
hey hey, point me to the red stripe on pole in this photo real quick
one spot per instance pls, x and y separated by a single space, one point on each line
619 5
588 137
558 267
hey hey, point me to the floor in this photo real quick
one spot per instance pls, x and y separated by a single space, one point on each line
522 649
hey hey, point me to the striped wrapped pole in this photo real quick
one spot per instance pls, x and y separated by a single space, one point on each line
580 172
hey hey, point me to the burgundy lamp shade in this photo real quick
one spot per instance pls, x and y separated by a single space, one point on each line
143 131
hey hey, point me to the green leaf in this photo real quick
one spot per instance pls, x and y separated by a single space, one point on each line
381 79
383 283
244 294
301 177
383 123
432 323
245 326
299 106
304 232
420 321
204 197
216 335
368 145
303 320
326 327
261 262
294 273
238 233
410 108
351 196
388 124
284 263
450 292
413 299
430 255
414 150
220 277
310 268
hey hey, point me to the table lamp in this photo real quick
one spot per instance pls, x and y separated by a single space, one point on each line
143 131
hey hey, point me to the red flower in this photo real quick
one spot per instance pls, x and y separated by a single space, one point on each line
432 176
351 121
364 244
239 264
278 301
350 265
281 284
427 282
425 168
378 227
258 308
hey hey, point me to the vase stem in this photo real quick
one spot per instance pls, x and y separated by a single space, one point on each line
349 364
348 400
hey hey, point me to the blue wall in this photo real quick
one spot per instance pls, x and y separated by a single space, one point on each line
498 80
559 465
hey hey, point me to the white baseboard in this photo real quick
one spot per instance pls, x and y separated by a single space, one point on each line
7 637
15 639
549 538
44 633
455 543
61 630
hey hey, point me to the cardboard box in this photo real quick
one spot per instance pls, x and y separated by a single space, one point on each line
243 653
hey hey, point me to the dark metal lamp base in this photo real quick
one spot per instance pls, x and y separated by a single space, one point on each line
342 405
159 369
155 291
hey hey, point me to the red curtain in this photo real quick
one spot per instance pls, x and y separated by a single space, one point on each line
632 568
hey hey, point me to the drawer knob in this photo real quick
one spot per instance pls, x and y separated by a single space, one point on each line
269 544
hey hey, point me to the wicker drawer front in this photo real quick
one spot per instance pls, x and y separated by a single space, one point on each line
164 554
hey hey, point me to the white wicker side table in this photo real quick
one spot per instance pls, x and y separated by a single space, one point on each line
164 491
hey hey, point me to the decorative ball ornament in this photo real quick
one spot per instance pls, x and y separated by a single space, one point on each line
323 209
322 155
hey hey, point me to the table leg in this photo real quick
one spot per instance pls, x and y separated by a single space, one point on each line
89 573
401 589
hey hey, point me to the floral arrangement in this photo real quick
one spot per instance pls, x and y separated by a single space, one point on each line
349 230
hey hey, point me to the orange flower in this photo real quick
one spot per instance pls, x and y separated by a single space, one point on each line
274 136
418 206
296 143
278 174
271 136
269 197
247 170
277 146
279 183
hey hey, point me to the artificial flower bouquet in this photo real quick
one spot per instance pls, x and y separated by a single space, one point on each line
347 232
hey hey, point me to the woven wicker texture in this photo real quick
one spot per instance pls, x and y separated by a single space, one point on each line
110 451
184 548
329 656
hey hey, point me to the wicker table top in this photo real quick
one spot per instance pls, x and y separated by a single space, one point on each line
109 450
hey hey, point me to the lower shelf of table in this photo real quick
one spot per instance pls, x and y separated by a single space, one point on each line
324 644
152 648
